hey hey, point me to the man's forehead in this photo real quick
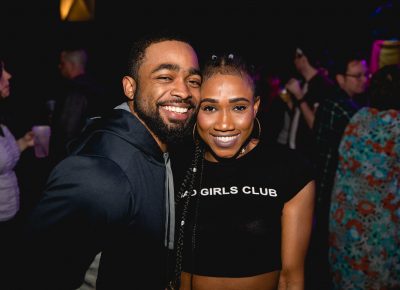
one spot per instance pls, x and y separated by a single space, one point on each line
166 44
359 63
172 58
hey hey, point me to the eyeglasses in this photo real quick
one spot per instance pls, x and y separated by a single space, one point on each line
359 75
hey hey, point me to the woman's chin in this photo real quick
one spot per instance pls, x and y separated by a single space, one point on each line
219 155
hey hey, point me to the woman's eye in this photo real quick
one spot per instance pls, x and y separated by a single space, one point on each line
240 108
208 108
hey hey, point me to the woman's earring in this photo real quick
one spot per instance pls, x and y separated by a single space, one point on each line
259 128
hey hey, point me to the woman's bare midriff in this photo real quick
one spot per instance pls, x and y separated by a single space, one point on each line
267 281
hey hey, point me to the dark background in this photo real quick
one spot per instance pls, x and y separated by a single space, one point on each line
265 32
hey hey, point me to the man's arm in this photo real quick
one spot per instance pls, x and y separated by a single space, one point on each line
69 226
309 113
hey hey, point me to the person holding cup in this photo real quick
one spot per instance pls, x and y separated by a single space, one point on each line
10 150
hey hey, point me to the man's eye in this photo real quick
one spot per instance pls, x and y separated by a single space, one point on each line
164 78
195 83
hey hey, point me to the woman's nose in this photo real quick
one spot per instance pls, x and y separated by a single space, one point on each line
225 122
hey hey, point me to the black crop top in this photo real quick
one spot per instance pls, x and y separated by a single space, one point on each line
238 228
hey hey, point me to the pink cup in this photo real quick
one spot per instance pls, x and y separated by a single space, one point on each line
42 140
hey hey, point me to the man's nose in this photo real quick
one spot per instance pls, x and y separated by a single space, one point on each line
181 89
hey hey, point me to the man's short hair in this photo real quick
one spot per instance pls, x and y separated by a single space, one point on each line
343 58
76 56
138 49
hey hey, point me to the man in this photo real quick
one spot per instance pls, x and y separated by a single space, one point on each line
333 114
306 96
113 194
79 98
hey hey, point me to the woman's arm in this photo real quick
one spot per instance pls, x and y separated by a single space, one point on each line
26 141
296 230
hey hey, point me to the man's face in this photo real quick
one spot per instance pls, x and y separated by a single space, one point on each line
65 66
356 79
299 59
168 90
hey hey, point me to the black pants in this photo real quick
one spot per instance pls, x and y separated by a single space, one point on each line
8 248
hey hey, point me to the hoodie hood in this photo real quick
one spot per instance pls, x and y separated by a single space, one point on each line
125 125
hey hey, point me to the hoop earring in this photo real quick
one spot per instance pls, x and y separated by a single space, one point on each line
259 128
194 132
242 151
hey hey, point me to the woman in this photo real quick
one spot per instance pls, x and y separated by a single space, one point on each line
245 209
10 150
365 209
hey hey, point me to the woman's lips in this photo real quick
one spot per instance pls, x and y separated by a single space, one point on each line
225 141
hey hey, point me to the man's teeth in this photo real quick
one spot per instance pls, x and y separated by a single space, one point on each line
226 139
176 109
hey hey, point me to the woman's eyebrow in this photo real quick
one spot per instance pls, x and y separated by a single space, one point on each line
234 100
209 100
239 100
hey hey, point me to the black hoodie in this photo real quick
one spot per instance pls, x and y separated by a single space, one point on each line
108 196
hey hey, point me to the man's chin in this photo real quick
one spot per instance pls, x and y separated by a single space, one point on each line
177 120
168 128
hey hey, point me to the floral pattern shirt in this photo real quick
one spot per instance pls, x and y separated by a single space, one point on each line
365 205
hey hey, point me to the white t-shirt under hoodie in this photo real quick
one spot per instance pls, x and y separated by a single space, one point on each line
9 191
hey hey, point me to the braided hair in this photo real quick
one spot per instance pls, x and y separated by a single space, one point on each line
182 206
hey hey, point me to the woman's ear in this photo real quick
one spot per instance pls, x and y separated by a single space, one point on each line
129 85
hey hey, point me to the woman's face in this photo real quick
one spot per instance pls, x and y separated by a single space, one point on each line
4 83
226 116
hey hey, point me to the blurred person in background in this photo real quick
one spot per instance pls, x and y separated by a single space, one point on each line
352 77
80 98
272 107
365 209
10 151
306 93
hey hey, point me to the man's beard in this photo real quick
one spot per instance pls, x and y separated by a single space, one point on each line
173 133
